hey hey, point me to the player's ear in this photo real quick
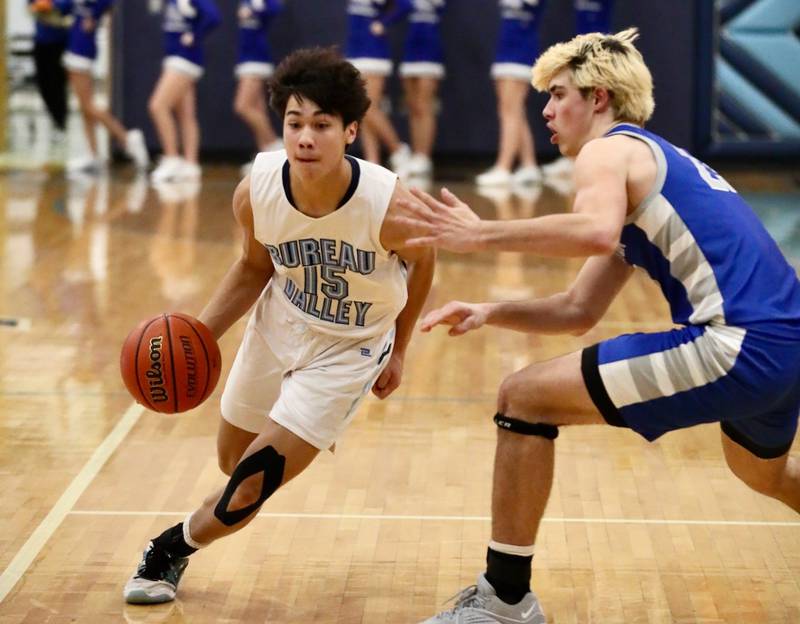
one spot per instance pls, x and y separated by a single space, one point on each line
350 132
602 98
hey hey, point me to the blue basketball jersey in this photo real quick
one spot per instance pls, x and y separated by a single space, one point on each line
519 31
253 24
593 16
714 260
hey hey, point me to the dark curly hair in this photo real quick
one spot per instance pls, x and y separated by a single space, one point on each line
324 77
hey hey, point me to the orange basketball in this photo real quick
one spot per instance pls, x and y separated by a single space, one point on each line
170 363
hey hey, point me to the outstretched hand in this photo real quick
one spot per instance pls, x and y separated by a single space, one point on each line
462 317
448 224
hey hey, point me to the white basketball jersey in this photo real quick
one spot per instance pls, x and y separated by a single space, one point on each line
330 271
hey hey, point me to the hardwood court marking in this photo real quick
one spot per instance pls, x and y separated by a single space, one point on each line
40 536
550 519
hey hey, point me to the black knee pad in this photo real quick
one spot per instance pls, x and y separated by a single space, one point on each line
515 425
266 461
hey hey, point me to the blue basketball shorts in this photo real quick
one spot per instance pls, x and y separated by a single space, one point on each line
747 379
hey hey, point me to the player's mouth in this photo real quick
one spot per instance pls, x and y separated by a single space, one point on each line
553 135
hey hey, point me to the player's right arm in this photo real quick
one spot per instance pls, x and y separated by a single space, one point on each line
592 228
246 278
574 311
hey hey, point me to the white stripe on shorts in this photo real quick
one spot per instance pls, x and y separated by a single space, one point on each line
691 365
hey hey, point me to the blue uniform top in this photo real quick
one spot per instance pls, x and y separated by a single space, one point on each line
593 16
254 19
83 42
712 257
519 31
198 17
361 43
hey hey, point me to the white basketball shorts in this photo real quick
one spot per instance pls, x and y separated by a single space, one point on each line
308 382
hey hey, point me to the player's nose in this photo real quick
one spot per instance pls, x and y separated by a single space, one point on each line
306 137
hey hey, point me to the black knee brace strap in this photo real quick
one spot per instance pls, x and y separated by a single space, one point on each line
515 425
270 464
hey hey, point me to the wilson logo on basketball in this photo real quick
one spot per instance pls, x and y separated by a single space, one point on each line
170 363
191 366
155 377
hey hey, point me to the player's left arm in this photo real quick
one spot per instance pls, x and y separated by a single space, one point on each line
420 262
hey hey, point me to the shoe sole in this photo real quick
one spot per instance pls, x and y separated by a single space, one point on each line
142 597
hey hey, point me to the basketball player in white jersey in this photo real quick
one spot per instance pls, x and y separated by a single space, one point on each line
336 298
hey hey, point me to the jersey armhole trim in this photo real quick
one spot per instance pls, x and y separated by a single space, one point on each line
387 252
661 173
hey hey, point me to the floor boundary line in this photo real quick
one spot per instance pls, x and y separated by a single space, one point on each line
63 506
428 518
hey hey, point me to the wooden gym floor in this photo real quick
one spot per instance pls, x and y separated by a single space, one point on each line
395 522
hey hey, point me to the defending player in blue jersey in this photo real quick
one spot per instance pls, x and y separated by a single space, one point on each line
186 24
254 65
640 202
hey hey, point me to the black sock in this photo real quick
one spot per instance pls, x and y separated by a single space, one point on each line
173 543
510 575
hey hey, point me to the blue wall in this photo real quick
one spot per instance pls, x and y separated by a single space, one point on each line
468 119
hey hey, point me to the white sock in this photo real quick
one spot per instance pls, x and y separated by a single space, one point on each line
510 549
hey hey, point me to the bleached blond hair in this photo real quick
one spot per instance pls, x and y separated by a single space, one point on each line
599 60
